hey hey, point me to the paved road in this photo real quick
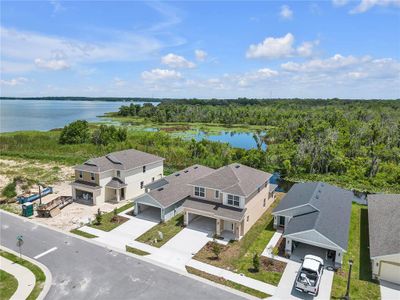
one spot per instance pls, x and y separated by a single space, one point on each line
82 270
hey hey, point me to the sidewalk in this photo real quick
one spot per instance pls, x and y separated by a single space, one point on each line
26 279
237 278
271 244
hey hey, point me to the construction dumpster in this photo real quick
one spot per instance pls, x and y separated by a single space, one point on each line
27 209
30 198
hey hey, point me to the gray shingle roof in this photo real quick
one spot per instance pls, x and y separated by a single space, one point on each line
384 224
215 209
116 183
175 187
121 160
331 210
235 179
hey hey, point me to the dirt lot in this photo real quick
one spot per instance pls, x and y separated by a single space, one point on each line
57 176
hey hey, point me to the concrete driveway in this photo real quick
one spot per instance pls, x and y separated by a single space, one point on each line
389 291
286 288
182 247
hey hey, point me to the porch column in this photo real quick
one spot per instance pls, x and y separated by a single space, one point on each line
237 230
275 222
186 218
288 246
136 208
218 226
118 194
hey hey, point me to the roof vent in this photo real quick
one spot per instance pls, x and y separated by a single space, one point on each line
113 159
185 171
196 167
90 163
237 166
177 174
160 189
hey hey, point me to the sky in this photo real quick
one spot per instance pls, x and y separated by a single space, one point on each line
205 49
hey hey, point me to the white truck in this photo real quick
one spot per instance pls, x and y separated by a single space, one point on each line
309 275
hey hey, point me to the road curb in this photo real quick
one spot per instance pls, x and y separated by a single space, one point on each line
142 258
46 271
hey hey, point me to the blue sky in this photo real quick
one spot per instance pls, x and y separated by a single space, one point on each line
347 49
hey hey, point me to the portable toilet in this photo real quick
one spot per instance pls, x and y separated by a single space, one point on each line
27 209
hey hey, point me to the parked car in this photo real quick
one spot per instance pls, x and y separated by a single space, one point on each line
309 275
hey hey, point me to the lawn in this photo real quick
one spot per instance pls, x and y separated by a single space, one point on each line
169 229
228 283
39 275
136 251
110 220
8 285
82 233
237 256
362 286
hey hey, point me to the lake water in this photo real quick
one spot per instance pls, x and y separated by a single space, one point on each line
18 115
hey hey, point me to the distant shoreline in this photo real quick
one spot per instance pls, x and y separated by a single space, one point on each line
107 99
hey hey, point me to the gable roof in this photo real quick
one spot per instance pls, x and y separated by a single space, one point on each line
330 210
384 224
235 179
121 160
173 188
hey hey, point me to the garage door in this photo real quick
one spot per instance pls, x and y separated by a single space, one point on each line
390 272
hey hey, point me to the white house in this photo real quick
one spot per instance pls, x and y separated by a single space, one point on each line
116 176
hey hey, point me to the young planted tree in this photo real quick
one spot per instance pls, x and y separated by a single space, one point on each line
98 217
256 263
216 249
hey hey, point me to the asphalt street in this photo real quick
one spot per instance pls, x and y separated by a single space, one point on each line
83 270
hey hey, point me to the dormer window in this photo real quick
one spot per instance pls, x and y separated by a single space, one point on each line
233 200
92 176
144 169
80 174
199 191
118 174
216 194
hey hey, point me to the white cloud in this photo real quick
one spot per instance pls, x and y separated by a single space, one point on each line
280 47
366 5
14 81
57 6
119 82
340 2
22 47
176 61
160 74
286 13
52 64
200 55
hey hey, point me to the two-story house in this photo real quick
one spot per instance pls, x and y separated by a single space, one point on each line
231 198
116 176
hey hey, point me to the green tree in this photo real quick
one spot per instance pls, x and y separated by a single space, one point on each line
99 217
256 262
75 133
216 249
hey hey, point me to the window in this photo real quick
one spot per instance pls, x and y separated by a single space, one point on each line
144 169
199 191
216 194
265 201
248 217
118 173
80 174
152 179
92 176
233 200
141 184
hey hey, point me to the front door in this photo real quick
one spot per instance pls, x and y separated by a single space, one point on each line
122 194
281 221
228 226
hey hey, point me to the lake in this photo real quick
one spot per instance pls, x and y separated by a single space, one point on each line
16 115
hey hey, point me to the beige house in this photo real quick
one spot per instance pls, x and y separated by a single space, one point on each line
232 198
116 176
384 236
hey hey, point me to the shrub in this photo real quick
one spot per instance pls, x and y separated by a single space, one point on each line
98 217
75 133
108 134
9 190
216 249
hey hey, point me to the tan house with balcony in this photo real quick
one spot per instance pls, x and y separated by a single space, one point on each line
231 198
116 176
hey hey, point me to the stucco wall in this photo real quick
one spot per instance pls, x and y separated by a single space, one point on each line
255 208
209 195
86 176
376 263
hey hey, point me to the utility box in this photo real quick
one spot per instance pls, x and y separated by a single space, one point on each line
27 209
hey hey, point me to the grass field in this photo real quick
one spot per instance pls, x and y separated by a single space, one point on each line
136 251
84 234
362 285
238 256
8 285
39 275
228 283
169 229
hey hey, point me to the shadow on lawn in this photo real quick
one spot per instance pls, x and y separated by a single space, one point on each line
364 263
